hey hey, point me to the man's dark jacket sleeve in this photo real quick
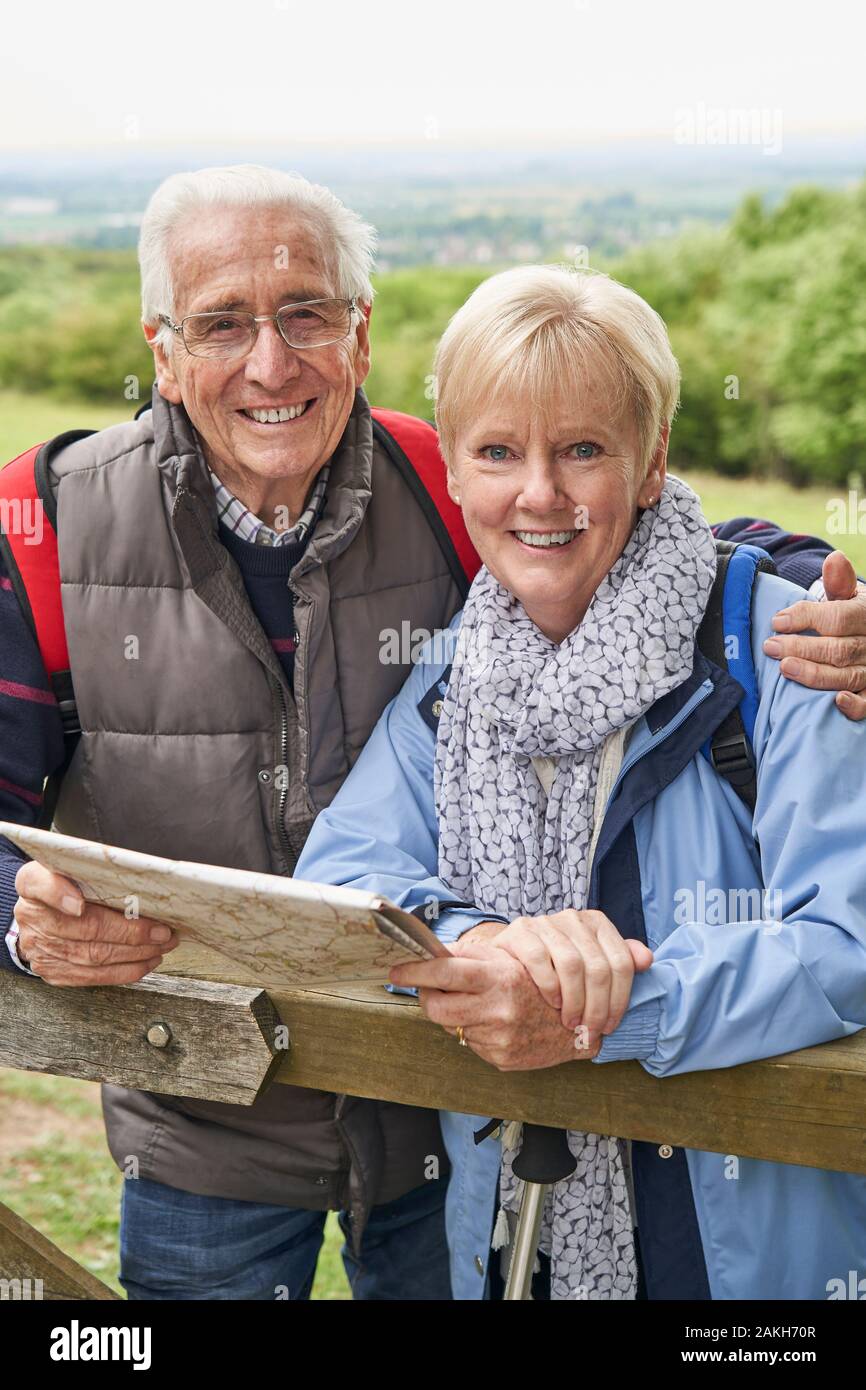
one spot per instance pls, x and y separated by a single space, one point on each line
797 558
31 741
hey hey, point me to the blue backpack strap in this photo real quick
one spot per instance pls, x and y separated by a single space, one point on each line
725 638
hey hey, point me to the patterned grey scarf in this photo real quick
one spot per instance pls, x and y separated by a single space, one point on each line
511 849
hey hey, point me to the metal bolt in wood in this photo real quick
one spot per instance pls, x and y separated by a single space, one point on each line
159 1035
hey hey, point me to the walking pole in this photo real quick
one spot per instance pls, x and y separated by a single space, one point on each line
544 1159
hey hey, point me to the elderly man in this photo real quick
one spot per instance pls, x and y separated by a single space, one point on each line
229 563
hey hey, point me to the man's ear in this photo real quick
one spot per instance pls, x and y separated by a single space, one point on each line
166 380
651 487
362 345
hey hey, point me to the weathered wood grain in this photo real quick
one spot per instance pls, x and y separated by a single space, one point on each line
32 1268
222 1042
806 1107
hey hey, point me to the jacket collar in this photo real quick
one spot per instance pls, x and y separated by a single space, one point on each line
349 486
349 490
672 732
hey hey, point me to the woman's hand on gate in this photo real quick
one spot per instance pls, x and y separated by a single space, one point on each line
580 965
68 941
489 994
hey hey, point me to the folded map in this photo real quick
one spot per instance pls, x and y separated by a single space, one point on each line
236 925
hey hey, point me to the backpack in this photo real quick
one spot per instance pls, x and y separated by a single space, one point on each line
725 638
412 445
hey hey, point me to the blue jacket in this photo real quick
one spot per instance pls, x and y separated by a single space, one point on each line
680 865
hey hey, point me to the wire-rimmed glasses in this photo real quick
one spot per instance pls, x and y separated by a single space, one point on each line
311 323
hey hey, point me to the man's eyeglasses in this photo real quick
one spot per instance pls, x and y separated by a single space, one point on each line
311 324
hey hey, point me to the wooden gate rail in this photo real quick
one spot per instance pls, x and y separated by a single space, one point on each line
32 1268
806 1107
177 1036
228 1042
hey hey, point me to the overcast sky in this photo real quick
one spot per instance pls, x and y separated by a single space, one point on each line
102 72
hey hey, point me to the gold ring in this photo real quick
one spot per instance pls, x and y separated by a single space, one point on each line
461 1038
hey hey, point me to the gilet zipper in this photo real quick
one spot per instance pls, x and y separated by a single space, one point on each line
283 791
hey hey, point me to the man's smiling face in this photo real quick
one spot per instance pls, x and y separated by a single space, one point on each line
259 259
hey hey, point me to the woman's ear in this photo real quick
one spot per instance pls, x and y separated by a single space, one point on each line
651 487
453 489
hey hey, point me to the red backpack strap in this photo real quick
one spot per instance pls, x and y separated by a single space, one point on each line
413 446
28 543
29 546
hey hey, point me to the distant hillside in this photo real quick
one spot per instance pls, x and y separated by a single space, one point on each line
440 203
767 316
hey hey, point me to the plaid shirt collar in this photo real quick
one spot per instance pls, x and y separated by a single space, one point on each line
240 520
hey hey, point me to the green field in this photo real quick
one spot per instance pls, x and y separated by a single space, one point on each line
797 509
58 1173
27 420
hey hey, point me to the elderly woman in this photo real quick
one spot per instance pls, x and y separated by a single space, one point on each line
566 798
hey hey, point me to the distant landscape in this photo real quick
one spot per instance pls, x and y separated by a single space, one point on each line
765 308
437 204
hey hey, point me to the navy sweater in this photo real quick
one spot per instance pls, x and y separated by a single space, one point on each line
31 737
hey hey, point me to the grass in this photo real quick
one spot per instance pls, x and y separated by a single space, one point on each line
27 420
797 509
57 1172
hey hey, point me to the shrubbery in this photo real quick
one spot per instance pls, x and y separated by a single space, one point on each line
767 317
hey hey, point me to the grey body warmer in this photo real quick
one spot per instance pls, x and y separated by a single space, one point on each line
179 747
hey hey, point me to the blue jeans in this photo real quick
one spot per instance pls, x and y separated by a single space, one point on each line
177 1245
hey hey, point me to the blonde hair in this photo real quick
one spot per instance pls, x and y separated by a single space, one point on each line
534 330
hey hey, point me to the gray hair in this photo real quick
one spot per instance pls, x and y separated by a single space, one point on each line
351 240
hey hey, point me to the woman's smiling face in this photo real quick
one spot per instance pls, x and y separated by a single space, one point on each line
550 499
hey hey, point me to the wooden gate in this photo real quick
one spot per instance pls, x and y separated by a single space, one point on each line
228 1042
